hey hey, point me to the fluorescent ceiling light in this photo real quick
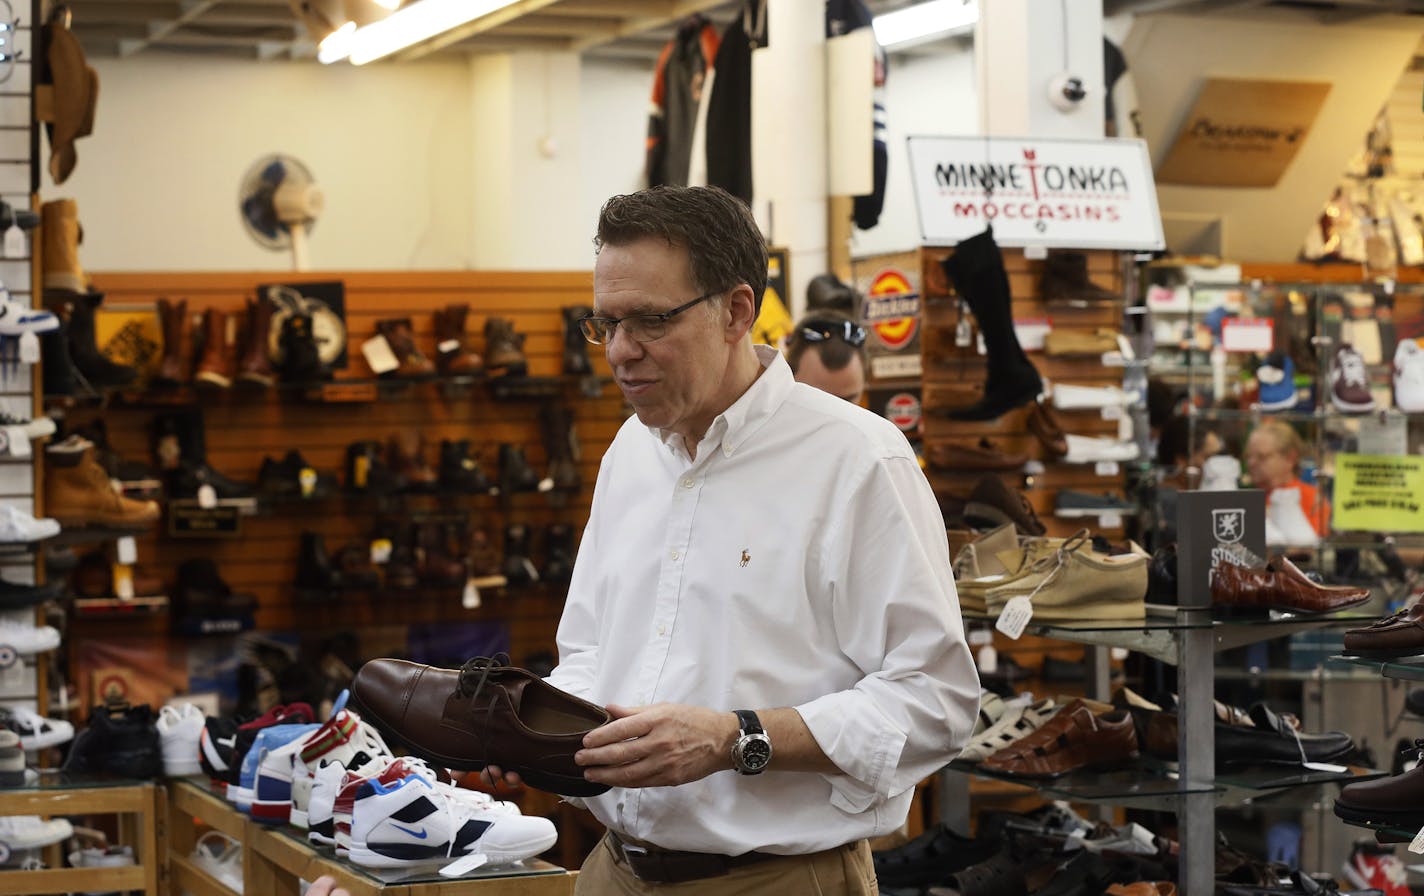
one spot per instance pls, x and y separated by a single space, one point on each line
336 46
414 23
388 4
925 22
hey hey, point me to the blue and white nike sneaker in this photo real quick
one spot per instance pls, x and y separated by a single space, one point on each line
1276 376
267 740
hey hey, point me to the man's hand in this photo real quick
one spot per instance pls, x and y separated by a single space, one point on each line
658 746
326 886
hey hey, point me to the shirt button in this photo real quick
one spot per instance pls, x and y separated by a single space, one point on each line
662 629
727 450
674 555
687 483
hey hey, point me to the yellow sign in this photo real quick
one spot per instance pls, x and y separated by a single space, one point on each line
1379 493
1243 133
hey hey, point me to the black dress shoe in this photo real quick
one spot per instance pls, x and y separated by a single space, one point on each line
931 857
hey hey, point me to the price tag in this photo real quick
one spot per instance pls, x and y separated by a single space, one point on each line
381 551
980 345
207 497
307 479
1106 468
1112 412
1014 619
963 333
123 581
1114 359
1247 334
126 550
378 354
1325 767
462 866
15 242
17 441
29 348
1417 844
529 569
448 346
1031 332
1110 521
470 597
978 637
546 484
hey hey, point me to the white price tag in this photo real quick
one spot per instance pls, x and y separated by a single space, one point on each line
462 866
1110 521
1112 412
381 551
207 497
978 637
1247 334
378 354
963 333
1417 844
530 569
448 346
546 484
987 660
1014 619
29 348
1106 468
1114 359
1325 767
126 550
15 242
17 441
470 597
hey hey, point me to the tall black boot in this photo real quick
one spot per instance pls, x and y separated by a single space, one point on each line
316 577
515 474
60 377
977 271
460 471
561 444
576 360
301 359
101 372
180 445
519 566
559 553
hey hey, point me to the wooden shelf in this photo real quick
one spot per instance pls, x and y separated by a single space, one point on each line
138 805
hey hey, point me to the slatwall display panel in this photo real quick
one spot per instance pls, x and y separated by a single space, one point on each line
242 428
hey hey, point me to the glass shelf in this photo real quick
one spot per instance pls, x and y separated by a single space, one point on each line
1136 787
1405 668
429 873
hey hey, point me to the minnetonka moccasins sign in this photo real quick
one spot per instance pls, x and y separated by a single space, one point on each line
1243 133
1067 194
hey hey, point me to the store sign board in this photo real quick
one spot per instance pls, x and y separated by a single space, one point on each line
1070 194
1214 528
1378 494
892 316
1243 133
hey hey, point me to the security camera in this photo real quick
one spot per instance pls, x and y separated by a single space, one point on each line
1066 91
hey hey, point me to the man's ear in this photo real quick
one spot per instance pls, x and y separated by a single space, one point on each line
741 308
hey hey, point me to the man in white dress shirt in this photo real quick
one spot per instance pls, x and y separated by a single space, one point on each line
762 596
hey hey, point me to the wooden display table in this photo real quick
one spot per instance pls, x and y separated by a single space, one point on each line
275 858
138 805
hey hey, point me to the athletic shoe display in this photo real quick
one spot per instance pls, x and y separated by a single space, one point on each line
36 732
18 527
1409 376
1275 378
179 731
1350 381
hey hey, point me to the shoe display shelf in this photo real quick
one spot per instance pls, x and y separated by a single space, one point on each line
274 859
139 807
1192 788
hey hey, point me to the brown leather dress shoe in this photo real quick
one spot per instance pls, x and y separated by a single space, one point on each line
1280 586
485 713
1393 636
1396 801
985 456
1073 739
1046 428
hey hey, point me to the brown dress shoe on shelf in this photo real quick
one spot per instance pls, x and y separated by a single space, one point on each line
992 503
1075 738
1280 586
485 713
1399 635
1045 427
983 456
1397 801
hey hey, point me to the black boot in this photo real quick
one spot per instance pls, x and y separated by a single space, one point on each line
301 359
515 474
60 377
559 554
576 360
100 372
316 577
561 444
201 596
367 472
1065 282
519 568
460 471
977 271
180 445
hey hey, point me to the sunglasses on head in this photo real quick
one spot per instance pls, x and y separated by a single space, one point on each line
850 332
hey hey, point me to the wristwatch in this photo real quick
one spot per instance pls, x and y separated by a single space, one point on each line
751 753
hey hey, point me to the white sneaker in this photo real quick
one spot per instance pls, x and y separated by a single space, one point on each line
25 639
1409 376
1283 508
285 777
17 318
1067 397
179 730
34 428
32 832
35 731
16 526
1092 449
221 856
1220 473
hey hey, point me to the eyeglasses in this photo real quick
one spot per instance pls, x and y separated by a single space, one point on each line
637 327
851 333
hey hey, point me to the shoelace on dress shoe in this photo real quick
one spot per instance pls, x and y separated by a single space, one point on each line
474 674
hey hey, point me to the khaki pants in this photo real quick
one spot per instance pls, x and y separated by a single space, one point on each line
843 871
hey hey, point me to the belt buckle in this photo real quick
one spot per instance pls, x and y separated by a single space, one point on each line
632 852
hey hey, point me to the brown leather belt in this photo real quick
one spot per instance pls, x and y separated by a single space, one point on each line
653 865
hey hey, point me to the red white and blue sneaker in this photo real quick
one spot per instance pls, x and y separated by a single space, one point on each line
240 792
327 780
414 822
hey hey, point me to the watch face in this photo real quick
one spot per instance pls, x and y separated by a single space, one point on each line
756 753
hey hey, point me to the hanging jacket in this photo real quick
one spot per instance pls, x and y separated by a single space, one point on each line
843 17
677 91
729 108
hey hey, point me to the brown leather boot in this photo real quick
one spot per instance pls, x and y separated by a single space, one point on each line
434 564
504 348
59 225
401 338
405 453
176 369
219 361
255 367
452 355
78 493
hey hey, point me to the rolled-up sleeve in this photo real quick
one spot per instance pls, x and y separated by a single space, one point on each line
897 618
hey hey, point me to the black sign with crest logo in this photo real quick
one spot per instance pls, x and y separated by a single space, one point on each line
1215 528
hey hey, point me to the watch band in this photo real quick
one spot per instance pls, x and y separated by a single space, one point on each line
749 722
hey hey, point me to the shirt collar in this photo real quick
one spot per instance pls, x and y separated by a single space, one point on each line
736 424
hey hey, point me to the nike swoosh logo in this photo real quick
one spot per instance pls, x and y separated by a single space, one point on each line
226 741
419 835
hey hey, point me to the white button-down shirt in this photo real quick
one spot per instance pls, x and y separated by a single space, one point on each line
799 561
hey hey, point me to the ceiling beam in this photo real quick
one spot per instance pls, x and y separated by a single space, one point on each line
158 30
638 24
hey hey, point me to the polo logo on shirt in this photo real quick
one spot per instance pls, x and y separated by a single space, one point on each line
746 557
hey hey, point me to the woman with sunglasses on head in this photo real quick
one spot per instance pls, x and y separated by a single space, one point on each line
827 350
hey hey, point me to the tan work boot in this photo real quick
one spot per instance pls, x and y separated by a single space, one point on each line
504 348
78 493
59 223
